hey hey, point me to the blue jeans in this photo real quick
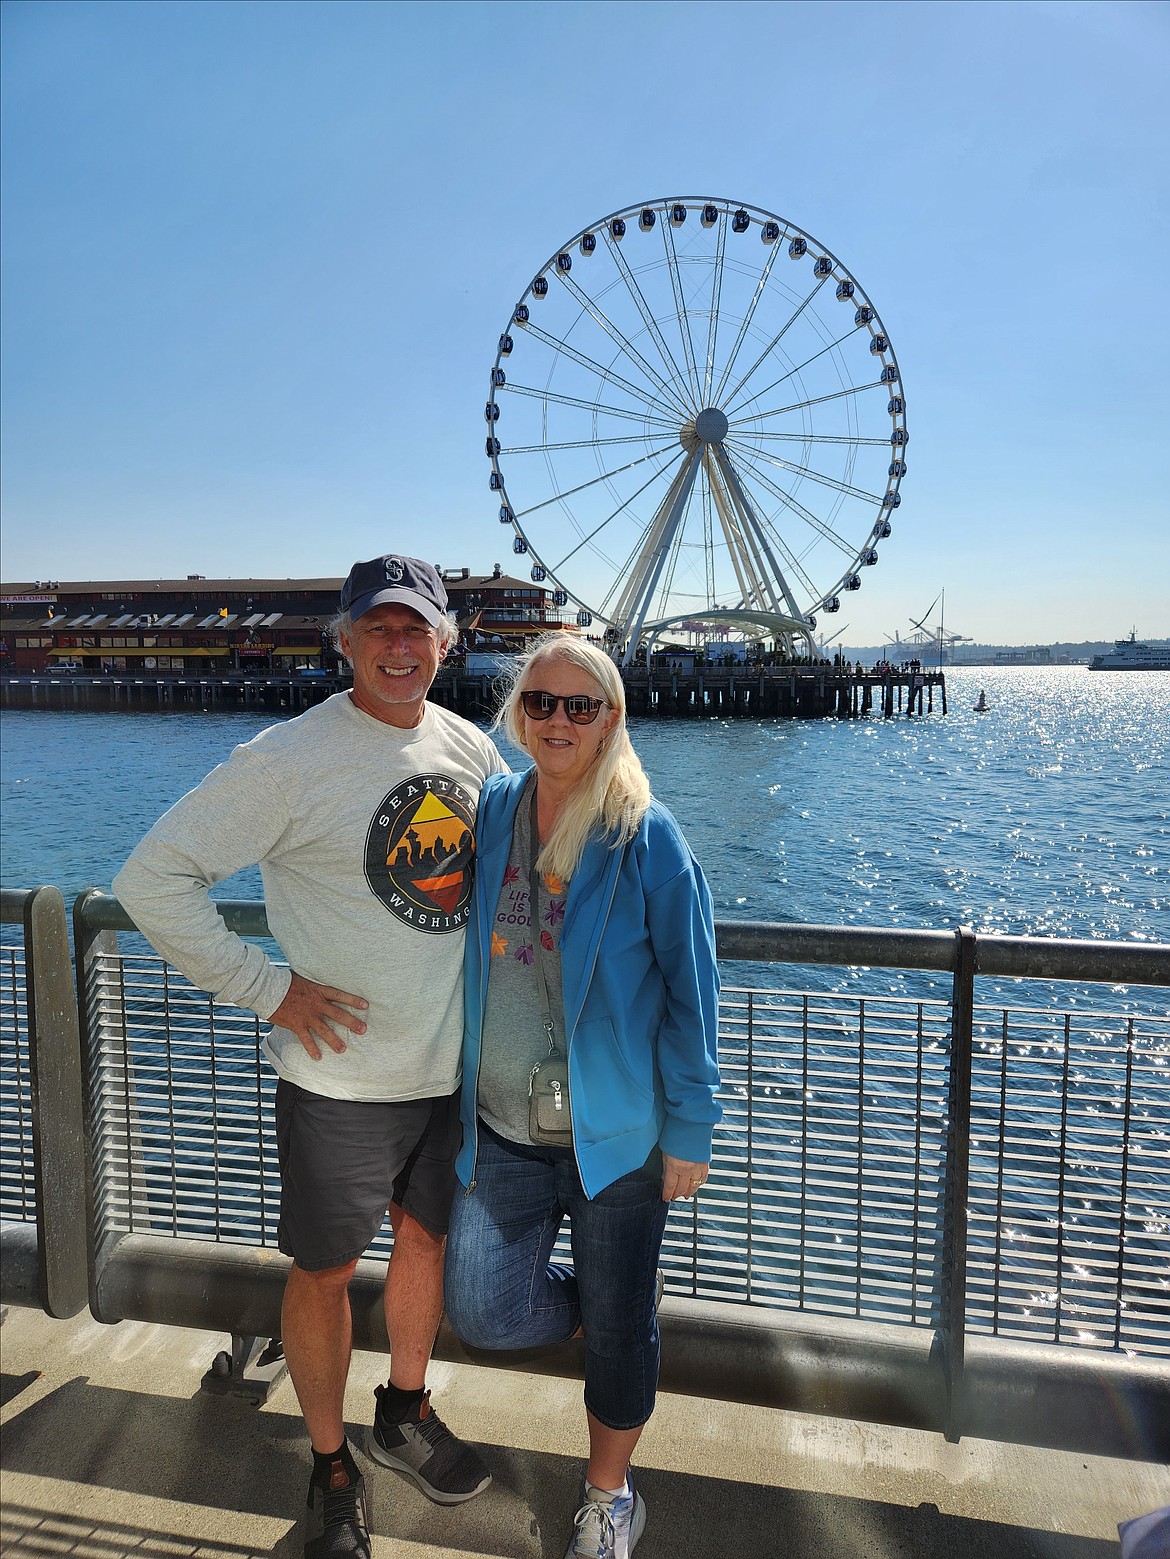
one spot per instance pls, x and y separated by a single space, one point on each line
503 1292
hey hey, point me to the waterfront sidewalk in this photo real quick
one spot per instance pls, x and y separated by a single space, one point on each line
110 1448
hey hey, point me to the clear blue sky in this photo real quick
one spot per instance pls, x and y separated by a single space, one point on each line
257 258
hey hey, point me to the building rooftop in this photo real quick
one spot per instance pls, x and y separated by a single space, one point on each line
42 589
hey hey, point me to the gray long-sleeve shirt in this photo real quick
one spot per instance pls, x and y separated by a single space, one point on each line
365 838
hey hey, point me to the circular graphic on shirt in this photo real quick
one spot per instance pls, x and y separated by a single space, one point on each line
420 853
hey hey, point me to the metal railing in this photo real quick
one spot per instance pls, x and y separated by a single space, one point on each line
906 1191
42 1147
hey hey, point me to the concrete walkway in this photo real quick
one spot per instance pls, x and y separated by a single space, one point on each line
110 1448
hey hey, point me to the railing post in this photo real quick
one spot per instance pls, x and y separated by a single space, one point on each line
55 1079
107 1079
953 1320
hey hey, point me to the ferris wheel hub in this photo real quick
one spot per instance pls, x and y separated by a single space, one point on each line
711 425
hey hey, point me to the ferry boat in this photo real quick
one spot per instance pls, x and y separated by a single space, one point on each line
1129 655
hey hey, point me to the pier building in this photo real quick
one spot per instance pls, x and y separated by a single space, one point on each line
226 643
242 626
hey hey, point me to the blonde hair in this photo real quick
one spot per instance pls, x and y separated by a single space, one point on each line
612 797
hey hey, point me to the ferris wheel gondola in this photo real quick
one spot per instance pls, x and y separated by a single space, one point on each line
686 430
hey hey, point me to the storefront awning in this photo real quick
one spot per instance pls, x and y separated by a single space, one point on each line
108 652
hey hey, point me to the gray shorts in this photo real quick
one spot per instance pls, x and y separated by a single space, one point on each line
343 1161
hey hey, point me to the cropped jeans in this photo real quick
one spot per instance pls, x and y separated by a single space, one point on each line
502 1291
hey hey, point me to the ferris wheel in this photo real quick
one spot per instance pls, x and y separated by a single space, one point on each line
696 421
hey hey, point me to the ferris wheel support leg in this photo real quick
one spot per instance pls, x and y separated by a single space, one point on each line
751 521
729 522
648 569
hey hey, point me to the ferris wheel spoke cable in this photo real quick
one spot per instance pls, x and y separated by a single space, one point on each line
818 438
651 324
813 400
745 326
605 374
627 346
745 452
812 520
583 443
594 406
784 378
794 565
614 514
726 400
680 309
716 298
604 476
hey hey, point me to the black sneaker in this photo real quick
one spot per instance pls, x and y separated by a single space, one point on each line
421 1446
337 1524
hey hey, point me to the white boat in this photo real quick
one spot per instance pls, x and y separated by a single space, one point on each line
1130 655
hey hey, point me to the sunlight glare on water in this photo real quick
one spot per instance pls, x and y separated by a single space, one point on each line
1048 815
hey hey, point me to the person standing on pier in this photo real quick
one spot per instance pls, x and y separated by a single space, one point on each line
361 816
590 1061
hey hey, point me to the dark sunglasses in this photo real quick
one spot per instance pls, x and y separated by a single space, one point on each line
580 708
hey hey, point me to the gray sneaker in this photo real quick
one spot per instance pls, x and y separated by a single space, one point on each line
445 1469
337 1524
608 1528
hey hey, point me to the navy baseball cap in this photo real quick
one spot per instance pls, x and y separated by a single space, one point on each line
407 581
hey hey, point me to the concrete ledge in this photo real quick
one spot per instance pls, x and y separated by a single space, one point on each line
20 1264
1025 1393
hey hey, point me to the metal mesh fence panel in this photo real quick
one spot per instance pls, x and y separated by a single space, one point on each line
826 1186
18 1200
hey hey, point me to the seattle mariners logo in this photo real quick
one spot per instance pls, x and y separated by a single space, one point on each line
420 853
394 570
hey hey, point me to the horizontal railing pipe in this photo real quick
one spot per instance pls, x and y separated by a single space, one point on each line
1061 958
771 942
878 947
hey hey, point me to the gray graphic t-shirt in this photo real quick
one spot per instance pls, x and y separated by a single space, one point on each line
514 1038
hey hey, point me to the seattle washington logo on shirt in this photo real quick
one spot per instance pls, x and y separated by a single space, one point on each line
420 853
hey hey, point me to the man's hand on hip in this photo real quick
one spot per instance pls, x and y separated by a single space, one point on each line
313 1013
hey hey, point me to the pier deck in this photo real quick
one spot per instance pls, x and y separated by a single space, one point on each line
110 1448
802 692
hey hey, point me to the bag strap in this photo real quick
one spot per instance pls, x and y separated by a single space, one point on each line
534 916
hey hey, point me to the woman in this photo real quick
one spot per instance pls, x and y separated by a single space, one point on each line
620 979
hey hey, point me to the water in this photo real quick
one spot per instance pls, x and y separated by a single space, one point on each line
1048 815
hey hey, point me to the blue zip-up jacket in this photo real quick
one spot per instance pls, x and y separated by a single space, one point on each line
641 992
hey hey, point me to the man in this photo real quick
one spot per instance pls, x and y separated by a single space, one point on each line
361 815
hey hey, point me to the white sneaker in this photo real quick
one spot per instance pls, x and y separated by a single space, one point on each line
608 1528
